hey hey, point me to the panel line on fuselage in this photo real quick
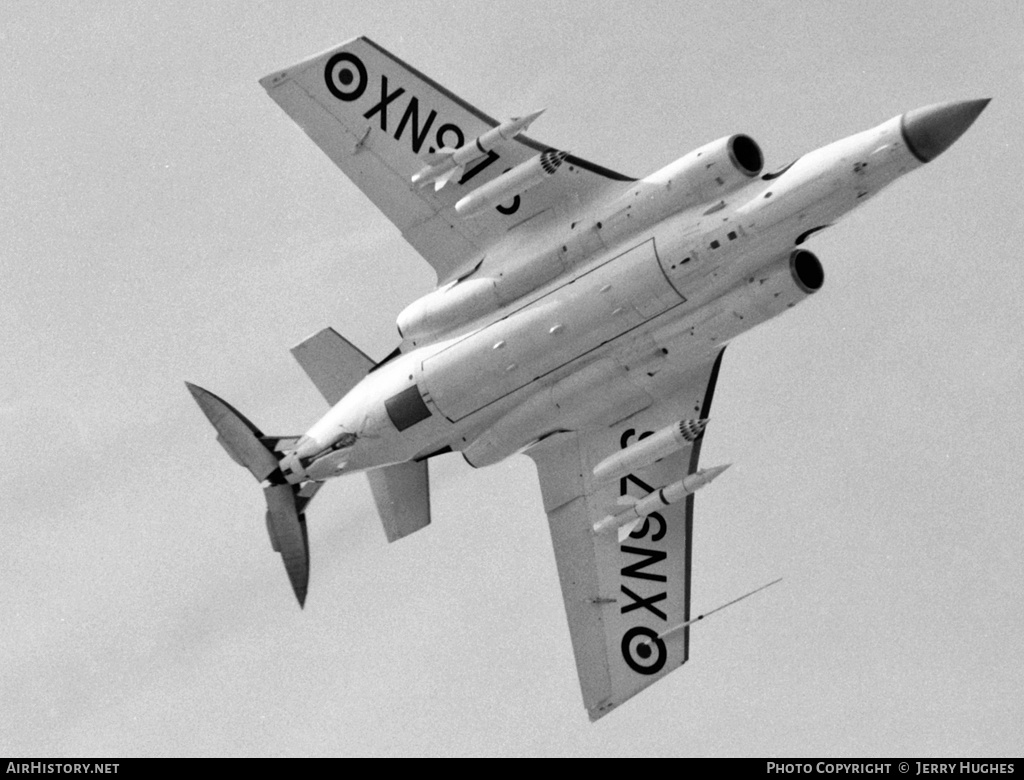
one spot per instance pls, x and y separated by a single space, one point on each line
644 311
578 358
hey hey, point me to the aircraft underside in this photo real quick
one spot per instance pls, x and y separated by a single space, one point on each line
580 317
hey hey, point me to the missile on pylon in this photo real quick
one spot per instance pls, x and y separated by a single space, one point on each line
667 495
514 182
448 164
650 449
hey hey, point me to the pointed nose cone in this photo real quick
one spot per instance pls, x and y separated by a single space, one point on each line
715 471
931 130
529 119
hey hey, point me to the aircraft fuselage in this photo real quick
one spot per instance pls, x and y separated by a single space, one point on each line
655 279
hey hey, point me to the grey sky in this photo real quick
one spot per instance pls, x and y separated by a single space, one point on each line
163 220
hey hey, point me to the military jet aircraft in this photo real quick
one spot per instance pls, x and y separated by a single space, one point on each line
580 316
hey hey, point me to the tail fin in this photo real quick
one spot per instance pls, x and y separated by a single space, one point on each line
286 524
333 363
242 440
402 495
286 504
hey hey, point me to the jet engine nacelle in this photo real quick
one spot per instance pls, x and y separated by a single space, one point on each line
516 181
758 297
458 304
447 308
708 173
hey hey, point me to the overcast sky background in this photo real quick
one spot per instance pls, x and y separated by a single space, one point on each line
162 220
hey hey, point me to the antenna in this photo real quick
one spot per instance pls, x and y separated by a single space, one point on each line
675 629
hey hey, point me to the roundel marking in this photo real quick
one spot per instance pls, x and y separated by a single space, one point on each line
345 76
643 657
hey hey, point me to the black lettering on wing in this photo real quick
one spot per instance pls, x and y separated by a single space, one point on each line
492 157
641 532
646 603
650 557
511 208
382 106
449 129
412 115
645 657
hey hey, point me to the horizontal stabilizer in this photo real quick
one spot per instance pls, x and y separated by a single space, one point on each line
333 363
236 434
402 494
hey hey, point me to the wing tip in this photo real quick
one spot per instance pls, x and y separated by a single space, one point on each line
278 77
598 711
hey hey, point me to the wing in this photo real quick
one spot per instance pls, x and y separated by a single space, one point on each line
378 119
620 594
